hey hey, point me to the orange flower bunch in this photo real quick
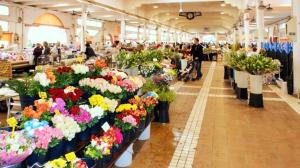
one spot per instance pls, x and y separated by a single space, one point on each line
100 63
42 106
30 113
50 75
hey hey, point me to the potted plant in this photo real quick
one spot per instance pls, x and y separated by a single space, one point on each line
257 66
165 97
27 89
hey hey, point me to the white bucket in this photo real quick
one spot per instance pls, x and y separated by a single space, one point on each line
256 84
146 133
125 159
243 79
237 77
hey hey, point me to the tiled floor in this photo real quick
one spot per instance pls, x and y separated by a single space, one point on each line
232 134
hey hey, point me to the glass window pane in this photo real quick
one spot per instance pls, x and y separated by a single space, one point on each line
4 25
4 10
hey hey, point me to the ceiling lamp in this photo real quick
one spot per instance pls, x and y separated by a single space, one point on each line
190 15
261 5
248 8
222 13
180 8
223 4
269 8
155 6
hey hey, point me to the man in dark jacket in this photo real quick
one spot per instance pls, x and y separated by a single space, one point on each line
197 53
37 52
89 52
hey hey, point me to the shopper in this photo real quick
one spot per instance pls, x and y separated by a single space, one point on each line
46 49
197 53
37 52
89 52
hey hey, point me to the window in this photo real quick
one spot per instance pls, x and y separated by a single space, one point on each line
4 10
53 35
4 25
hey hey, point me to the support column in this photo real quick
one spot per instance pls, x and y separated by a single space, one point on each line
158 34
216 36
139 34
296 47
123 30
83 28
260 24
246 29
241 35
146 38
234 36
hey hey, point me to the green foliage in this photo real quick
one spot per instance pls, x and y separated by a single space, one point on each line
25 87
62 80
149 86
166 95
123 126
92 152
236 60
259 65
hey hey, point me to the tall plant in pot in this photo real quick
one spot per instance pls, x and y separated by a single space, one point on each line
165 97
257 66
237 62
27 88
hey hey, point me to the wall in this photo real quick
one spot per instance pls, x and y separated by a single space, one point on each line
29 14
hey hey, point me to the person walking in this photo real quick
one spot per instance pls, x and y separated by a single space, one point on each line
197 53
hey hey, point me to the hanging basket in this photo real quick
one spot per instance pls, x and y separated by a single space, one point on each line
256 88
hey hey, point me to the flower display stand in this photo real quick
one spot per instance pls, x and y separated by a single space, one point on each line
125 159
145 134
256 87
242 85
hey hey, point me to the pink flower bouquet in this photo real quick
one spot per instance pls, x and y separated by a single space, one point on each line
14 150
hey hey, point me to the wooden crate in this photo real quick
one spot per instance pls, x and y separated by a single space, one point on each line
5 69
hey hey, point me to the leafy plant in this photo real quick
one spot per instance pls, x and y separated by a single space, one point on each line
149 86
166 95
259 65
236 60
25 87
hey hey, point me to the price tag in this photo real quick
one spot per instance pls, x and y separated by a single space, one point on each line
12 122
105 127
70 156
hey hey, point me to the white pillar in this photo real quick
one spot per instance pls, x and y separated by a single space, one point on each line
216 36
158 34
123 30
260 24
146 32
296 49
139 34
241 35
234 36
246 29
83 27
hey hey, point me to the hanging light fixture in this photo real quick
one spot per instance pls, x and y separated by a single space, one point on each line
261 5
269 8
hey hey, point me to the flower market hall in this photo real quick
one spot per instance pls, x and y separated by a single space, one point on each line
102 83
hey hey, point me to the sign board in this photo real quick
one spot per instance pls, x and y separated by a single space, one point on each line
292 29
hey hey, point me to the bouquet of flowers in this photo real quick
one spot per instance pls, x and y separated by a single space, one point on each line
31 125
46 137
80 69
45 78
99 147
70 93
63 163
115 134
127 117
58 107
14 149
64 76
67 125
81 116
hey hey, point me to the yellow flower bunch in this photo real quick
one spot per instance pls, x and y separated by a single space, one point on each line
124 107
58 163
43 95
98 100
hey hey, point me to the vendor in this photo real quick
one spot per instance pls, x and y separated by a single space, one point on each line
37 52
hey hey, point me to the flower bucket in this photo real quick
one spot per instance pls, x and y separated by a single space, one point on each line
242 85
84 136
99 163
26 101
90 162
35 158
56 151
107 158
156 113
125 160
70 145
146 133
128 136
14 166
256 88
226 72
164 111
142 125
